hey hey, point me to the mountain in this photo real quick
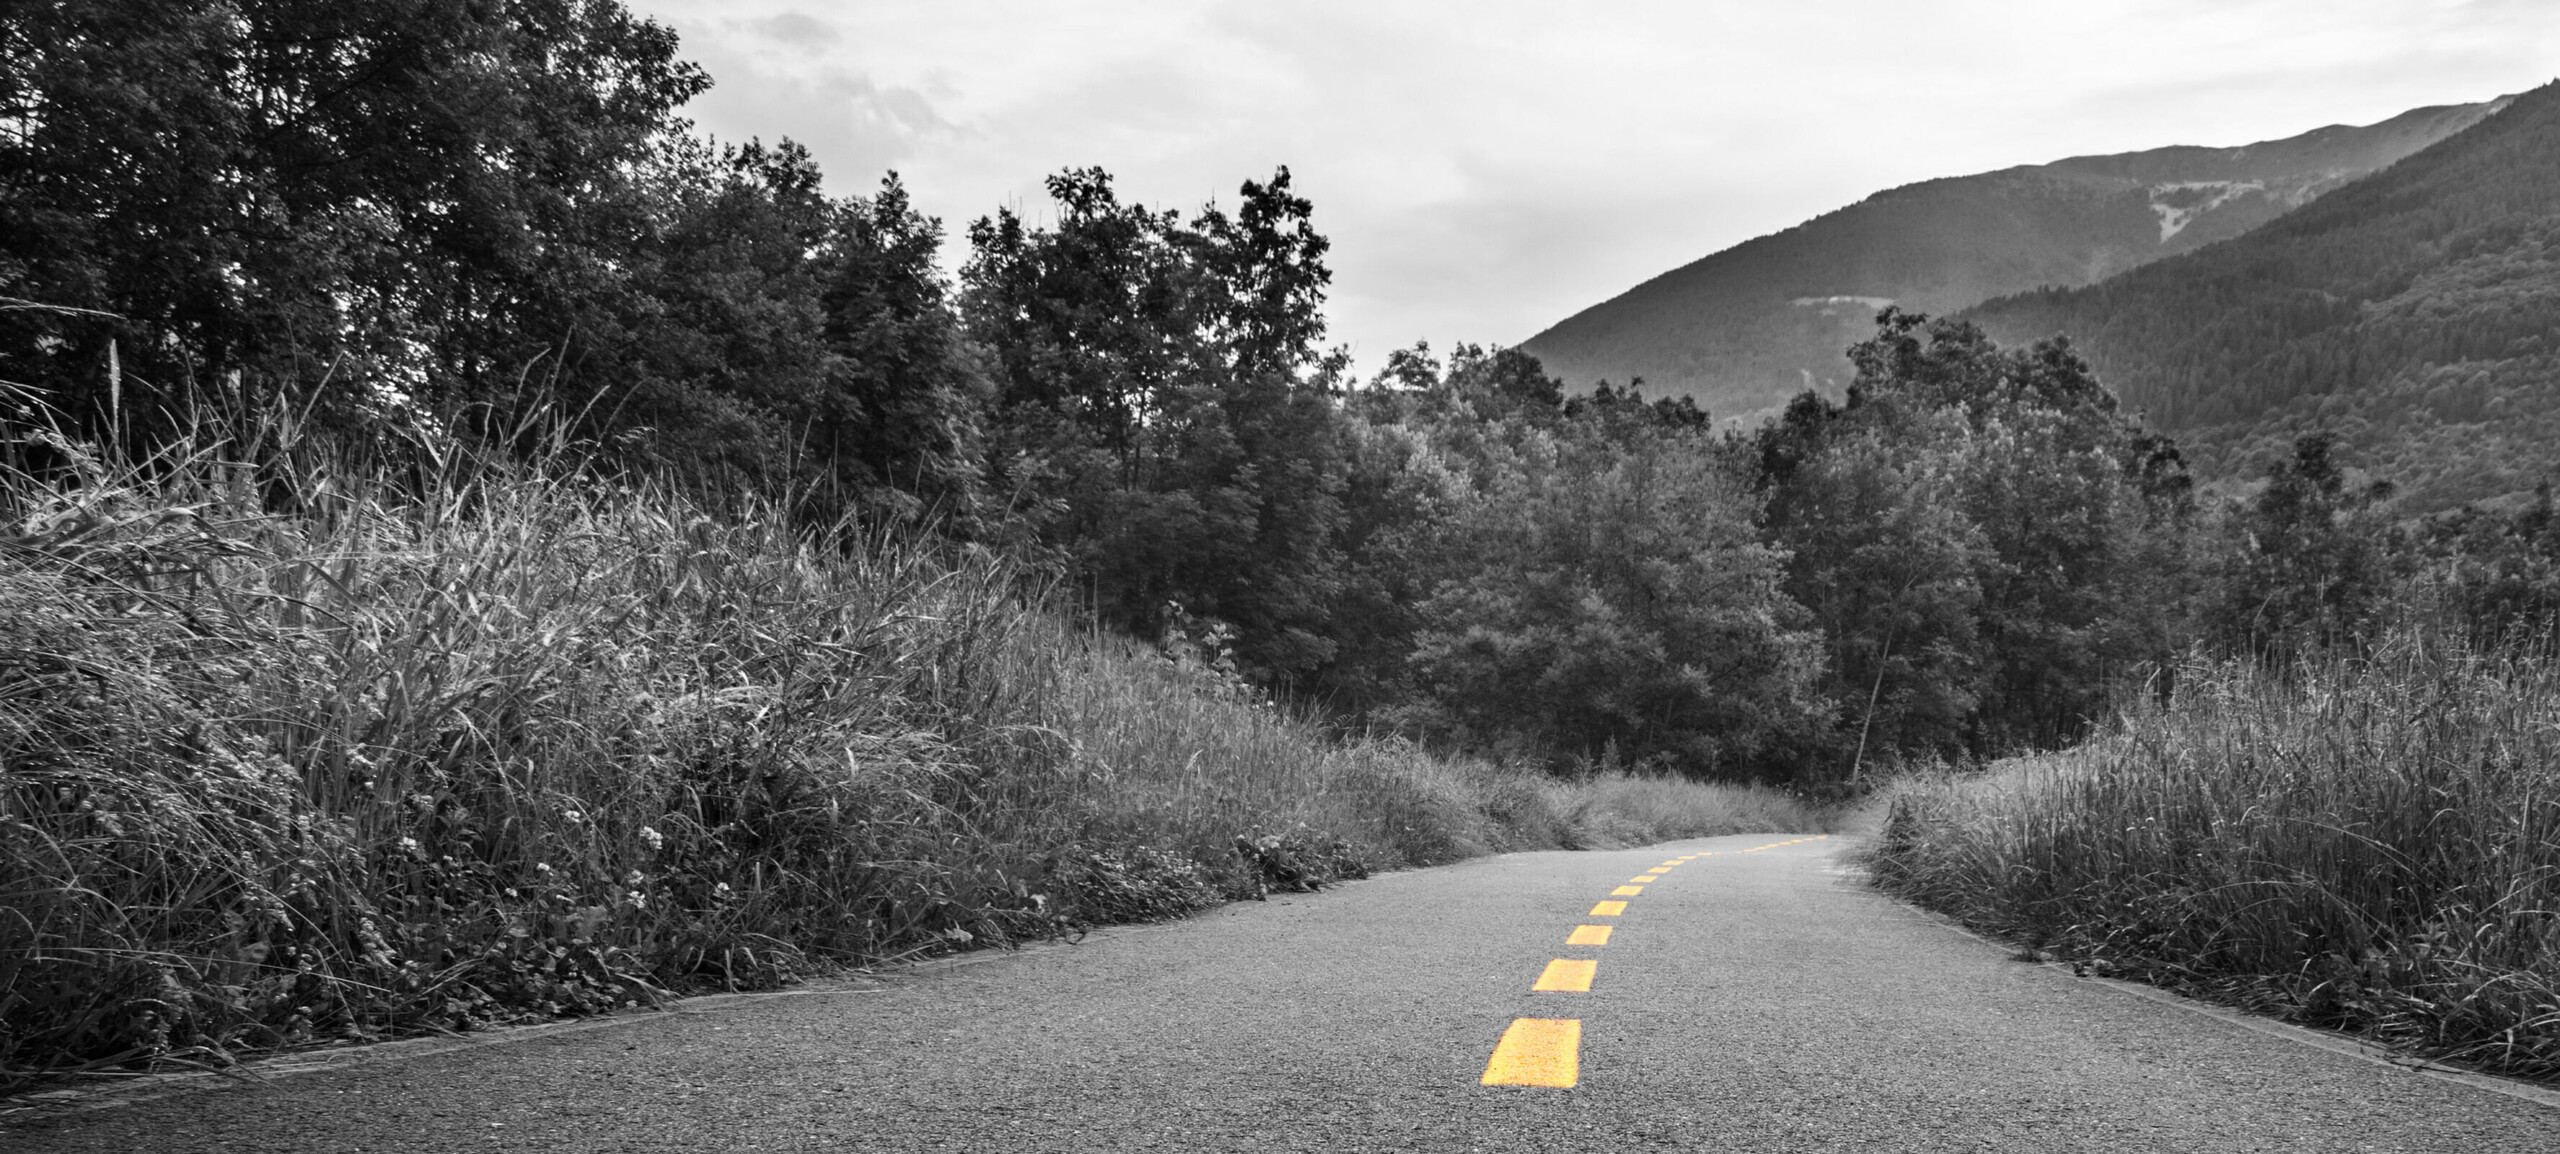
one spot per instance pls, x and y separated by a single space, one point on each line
1748 327
2415 312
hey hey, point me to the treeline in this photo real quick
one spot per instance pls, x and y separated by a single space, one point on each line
2411 311
481 218
487 220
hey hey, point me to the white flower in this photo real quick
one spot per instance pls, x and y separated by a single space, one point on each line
408 845
572 816
639 901
657 841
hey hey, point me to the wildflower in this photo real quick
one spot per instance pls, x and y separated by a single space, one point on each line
409 845
631 879
572 816
657 841
639 901
543 867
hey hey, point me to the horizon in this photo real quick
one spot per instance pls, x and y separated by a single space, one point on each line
1484 179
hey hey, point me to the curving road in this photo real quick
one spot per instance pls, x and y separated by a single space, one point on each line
1750 997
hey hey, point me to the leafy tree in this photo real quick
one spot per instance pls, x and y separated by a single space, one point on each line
1887 564
1611 593
901 412
1159 380
706 352
408 198
2495 576
1981 511
2305 564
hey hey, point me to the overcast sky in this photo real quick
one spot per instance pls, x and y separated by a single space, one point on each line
1485 169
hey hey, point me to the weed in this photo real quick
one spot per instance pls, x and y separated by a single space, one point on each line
302 743
2369 846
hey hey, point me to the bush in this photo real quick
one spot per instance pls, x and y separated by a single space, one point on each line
308 747
2367 846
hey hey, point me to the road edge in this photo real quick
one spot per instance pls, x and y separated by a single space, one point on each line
2335 1043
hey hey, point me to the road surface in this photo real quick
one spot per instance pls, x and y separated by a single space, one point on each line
1751 997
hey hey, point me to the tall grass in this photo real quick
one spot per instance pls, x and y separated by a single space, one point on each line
326 748
2371 846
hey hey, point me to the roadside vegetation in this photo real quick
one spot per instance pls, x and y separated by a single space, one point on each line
335 748
2369 845
826 606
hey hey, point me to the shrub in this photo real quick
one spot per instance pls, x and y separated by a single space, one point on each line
2369 846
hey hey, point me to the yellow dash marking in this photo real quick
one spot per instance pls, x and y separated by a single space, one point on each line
1626 891
1537 1052
1608 909
1641 879
1567 976
1589 936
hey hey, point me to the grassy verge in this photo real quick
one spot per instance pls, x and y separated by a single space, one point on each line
450 742
2373 848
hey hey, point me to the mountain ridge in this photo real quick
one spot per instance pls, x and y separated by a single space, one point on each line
1744 328
2414 313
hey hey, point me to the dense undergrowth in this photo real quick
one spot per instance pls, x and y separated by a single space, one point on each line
450 741
2372 847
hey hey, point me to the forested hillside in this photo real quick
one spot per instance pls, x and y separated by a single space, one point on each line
2415 313
1742 330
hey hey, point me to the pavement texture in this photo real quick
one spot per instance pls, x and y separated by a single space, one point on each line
1762 1000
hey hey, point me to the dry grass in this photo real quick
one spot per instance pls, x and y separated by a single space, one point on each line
2372 847
321 748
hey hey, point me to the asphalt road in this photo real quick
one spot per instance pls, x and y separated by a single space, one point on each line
1751 999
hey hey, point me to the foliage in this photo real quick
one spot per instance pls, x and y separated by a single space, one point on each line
2363 845
1607 590
515 739
2410 312
2305 566
1986 547
421 198
1158 379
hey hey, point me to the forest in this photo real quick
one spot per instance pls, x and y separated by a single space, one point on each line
331 287
2411 313
453 225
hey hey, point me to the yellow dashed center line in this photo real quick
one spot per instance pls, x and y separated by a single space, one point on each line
1537 1052
1548 1051
1567 976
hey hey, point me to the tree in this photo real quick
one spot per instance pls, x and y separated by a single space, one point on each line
1608 592
2304 563
902 411
1986 513
409 199
1160 380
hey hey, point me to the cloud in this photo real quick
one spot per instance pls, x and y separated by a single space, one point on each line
857 127
1485 170
795 29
